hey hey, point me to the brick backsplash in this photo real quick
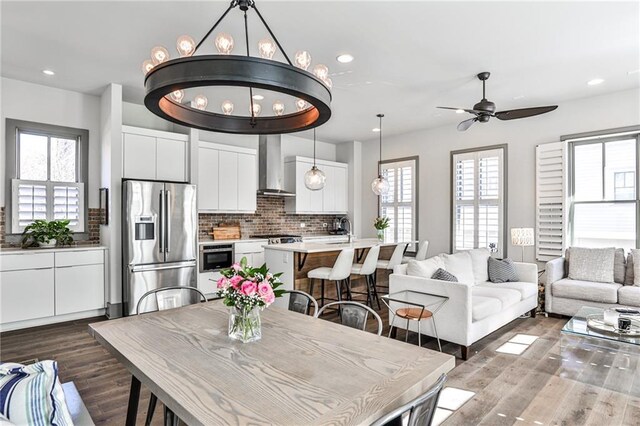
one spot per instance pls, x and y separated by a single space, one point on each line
93 230
270 218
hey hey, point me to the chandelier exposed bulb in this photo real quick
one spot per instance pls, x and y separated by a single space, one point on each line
257 108
302 59
147 66
328 82
159 55
177 96
200 102
321 71
267 48
224 43
185 45
301 104
278 108
227 107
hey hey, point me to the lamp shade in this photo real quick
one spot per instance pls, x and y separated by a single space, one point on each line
522 237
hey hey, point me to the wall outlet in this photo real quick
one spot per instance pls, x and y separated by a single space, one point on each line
324 225
302 224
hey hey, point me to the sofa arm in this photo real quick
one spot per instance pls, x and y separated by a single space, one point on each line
527 272
554 271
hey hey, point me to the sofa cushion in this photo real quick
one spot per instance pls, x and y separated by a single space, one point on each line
586 290
459 264
443 275
479 264
628 273
482 307
621 269
506 296
502 271
424 268
526 290
629 296
591 264
635 254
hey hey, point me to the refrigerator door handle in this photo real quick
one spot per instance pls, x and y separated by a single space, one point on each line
167 240
156 267
161 222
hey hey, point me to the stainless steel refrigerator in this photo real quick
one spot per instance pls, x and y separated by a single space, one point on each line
159 239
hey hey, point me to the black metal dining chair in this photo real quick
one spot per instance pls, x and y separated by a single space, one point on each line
418 412
167 298
301 302
353 314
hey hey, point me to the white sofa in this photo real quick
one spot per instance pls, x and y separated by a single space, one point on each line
476 306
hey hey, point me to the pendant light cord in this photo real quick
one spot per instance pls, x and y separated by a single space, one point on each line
314 148
380 157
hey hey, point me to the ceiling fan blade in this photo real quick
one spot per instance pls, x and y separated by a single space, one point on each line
464 125
524 112
470 111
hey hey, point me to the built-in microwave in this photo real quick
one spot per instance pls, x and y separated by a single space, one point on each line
215 257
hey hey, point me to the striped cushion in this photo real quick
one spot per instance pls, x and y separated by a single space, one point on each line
32 394
502 271
442 275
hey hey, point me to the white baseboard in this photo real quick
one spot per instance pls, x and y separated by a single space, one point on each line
18 325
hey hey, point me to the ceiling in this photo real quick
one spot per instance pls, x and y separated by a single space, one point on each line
409 56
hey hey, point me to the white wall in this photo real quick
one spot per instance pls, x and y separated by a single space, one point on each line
139 116
351 153
43 104
434 146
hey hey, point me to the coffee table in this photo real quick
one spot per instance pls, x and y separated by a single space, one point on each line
578 326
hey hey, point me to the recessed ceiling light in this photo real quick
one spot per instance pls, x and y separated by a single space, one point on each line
375 129
48 72
344 58
459 111
595 81
258 97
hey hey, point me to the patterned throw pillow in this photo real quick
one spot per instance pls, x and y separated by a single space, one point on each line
443 275
502 271
32 394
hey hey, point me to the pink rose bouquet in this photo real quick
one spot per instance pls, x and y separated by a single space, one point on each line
245 287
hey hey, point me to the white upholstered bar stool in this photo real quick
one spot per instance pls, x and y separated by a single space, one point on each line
368 271
340 273
421 253
395 260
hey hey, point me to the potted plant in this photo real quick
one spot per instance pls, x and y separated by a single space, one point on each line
246 291
381 223
43 233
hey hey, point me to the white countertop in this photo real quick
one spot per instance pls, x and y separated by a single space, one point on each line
238 240
311 247
18 250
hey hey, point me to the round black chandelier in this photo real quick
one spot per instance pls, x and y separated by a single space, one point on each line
166 79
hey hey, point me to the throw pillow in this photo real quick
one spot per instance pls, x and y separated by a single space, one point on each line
32 394
628 274
479 259
619 266
443 275
635 255
424 268
591 264
502 271
459 265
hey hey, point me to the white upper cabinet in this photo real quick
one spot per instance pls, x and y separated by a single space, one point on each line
227 178
332 199
154 155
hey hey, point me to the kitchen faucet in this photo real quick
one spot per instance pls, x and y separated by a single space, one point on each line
346 219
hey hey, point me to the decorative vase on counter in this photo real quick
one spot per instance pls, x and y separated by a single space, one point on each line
245 324
50 244
380 233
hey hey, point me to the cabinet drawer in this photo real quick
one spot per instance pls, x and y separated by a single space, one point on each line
79 288
26 295
251 247
18 261
76 258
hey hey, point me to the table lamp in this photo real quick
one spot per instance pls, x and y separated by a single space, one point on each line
522 237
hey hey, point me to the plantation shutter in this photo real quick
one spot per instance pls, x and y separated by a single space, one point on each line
399 204
551 200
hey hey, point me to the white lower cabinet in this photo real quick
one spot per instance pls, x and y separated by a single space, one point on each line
253 251
26 294
207 282
79 288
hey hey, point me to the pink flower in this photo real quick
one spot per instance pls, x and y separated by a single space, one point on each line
236 267
268 297
235 281
223 282
248 288
264 288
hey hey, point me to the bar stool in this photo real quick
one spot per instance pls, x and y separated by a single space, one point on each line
396 259
368 271
340 273
420 255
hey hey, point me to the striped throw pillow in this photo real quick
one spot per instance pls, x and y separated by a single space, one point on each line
32 394
502 271
443 275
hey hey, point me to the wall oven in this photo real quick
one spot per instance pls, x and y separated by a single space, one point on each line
215 257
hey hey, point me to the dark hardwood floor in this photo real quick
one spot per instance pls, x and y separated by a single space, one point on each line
549 384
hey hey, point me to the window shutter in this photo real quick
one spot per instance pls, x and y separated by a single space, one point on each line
31 201
67 202
551 194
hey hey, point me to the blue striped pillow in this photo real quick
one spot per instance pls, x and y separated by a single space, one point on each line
32 394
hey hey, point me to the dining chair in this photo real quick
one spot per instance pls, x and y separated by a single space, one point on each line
301 302
339 273
367 269
353 314
167 298
421 254
418 412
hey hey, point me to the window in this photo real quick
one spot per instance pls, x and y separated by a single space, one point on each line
603 192
400 203
47 174
478 207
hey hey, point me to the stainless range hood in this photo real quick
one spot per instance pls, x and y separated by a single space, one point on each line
270 171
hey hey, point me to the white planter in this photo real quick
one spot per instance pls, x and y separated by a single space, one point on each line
50 244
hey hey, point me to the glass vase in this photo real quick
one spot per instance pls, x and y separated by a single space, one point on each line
244 324
380 234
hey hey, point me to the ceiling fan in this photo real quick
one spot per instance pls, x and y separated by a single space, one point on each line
486 109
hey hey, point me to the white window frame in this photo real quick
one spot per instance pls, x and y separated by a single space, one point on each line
395 204
476 154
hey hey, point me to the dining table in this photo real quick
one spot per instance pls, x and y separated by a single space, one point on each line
304 370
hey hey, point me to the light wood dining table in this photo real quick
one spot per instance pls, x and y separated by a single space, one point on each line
304 370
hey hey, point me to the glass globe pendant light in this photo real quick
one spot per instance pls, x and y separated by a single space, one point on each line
380 185
314 178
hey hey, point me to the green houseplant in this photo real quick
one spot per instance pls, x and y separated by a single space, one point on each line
43 233
381 223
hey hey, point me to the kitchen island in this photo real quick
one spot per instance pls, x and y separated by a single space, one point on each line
295 260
